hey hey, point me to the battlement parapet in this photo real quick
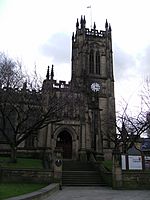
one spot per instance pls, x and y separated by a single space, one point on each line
61 84
94 32
81 30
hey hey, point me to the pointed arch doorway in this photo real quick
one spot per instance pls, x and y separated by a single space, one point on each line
64 141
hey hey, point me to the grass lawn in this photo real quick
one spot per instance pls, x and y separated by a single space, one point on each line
21 163
108 164
14 189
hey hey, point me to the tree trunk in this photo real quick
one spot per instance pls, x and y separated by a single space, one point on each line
13 154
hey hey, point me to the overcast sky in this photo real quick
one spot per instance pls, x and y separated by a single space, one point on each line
38 32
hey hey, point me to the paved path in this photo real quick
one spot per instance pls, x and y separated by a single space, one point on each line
99 193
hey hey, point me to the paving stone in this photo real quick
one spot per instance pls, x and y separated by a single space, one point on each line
99 193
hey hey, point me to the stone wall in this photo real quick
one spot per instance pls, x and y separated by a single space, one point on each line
26 175
129 178
136 179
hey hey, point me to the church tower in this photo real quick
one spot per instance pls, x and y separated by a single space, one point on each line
92 74
91 53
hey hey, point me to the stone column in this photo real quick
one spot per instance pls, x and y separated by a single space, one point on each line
116 171
58 166
82 152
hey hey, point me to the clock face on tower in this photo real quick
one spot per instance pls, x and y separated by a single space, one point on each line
95 87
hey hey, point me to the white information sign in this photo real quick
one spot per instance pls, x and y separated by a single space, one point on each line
135 162
147 162
123 162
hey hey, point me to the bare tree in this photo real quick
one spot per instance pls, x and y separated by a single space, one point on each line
24 112
145 101
11 74
23 108
130 127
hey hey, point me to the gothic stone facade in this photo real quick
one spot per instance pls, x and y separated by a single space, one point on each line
88 120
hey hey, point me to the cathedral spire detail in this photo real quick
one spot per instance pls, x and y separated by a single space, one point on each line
94 26
106 24
52 72
77 24
110 28
82 22
47 75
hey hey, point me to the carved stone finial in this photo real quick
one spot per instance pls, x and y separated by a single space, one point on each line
94 26
47 75
110 28
77 24
84 21
52 72
106 24
81 21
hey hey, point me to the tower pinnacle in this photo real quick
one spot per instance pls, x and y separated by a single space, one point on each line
77 24
94 26
52 72
110 28
106 24
47 75
82 22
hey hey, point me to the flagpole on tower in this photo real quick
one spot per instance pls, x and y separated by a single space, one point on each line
90 14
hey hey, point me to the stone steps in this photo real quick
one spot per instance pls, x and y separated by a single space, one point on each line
77 173
77 166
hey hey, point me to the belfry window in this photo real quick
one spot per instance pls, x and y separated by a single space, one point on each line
91 62
97 62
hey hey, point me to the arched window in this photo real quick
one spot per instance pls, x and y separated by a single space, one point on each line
91 62
97 62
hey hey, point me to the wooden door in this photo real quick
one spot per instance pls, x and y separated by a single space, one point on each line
64 141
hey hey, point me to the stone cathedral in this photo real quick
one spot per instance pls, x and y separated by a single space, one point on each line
87 120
